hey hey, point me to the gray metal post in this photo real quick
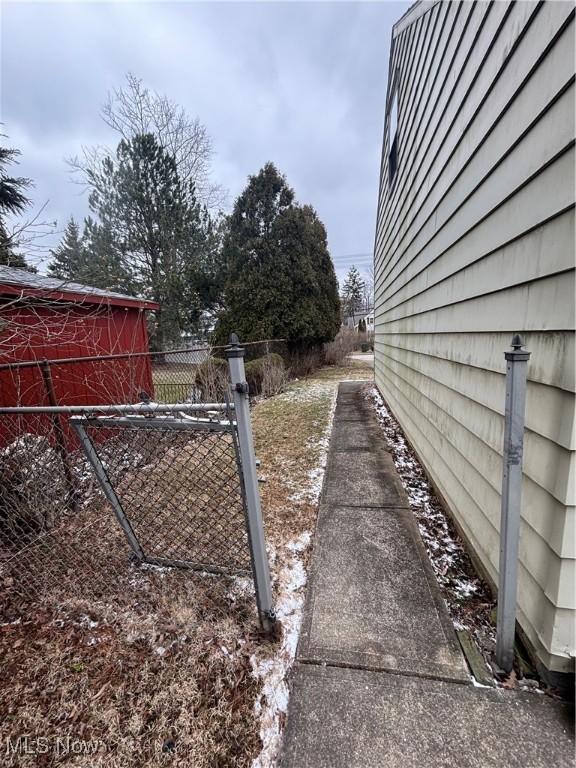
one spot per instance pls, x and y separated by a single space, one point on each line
106 485
516 371
255 527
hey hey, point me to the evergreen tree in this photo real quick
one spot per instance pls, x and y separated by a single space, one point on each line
9 257
158 227
280 278
68 260
104 261
13 200
352 292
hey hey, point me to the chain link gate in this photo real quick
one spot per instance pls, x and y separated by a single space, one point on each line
180 478
173 481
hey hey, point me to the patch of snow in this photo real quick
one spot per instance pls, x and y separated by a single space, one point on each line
241 586
86 621
162 570
307 393
445 551
272 703
301 543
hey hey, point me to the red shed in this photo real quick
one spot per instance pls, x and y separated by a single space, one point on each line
43 318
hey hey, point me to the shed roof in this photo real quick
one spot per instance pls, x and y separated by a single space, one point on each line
14 281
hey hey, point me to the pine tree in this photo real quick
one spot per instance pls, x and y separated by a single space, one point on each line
9 257
104 261
280 278
158 227
69 259
13 200
352 292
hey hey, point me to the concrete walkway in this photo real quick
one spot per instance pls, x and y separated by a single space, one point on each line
379 679
364 357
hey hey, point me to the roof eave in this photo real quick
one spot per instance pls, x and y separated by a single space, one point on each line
9 289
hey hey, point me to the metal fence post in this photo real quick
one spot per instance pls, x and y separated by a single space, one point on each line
59 435
516 371
259 558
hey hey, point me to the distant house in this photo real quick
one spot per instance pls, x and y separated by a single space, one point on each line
475 242
43 318
368 317
364 313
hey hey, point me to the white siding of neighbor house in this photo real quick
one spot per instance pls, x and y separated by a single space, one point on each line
475 242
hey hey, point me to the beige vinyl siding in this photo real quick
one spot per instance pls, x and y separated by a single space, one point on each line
474 242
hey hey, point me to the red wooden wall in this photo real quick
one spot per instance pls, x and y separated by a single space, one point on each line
35 331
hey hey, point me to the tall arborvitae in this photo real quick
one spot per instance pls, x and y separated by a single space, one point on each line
280 277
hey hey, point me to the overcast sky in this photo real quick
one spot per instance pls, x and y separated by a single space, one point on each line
299 83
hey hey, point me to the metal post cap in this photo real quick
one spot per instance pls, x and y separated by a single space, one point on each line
517 342
517 354
234 349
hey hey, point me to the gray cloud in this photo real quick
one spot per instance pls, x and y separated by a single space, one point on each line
301 84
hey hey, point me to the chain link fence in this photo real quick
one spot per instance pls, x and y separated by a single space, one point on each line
93 496
174 486
179 489
197 374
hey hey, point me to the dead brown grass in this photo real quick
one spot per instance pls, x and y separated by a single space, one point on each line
160 673
151 684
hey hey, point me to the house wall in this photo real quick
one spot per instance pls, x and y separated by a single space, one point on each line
474 242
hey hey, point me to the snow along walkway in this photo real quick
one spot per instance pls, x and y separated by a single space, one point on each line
380 679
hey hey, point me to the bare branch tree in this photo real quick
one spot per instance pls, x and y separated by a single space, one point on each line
134 109
29 235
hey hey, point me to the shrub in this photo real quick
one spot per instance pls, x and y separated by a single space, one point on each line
304 363
274 376
360 339
211 381
338 350
266 375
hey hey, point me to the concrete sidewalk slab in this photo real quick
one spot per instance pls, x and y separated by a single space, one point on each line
366 478
347 436
373 607
351 387
373 599
344 718
351 411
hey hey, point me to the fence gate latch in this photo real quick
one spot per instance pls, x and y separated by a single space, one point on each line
242 387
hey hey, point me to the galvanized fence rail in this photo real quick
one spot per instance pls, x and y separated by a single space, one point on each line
91 492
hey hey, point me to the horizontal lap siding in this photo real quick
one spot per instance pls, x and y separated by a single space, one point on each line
475 241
